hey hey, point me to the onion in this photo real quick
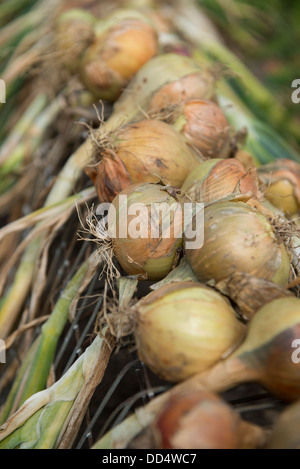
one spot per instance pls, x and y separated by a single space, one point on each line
164 82
281 181
152 254
265 356
205 127
184 328
193 419
123 42
286 432
145 151
238 238
74 32
217 178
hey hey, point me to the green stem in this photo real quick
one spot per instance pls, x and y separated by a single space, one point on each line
33 374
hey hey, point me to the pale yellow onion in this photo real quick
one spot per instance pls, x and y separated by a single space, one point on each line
154 255
238 238
184 328
281 184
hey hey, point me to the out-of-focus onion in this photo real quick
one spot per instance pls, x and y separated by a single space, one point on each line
238 238
205 127
202 420
74 33
217 178
164 82
184 328
286 432
146 151
281 183
123 42
145 240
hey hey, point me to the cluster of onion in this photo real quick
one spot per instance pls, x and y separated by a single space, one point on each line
175 147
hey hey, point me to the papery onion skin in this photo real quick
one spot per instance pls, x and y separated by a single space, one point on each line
117 53
281 181
205 127
146 151
184 328
237 238
196 420
218 178
150 257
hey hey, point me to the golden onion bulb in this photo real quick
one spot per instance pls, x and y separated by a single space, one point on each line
184 328
147 226
238 238
123 43
205 127
217 178
281 185
146 151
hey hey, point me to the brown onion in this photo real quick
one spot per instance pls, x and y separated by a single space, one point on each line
281 183
146 151
238 238
217 178
123 43
153 254
205 127
184 328
200 419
